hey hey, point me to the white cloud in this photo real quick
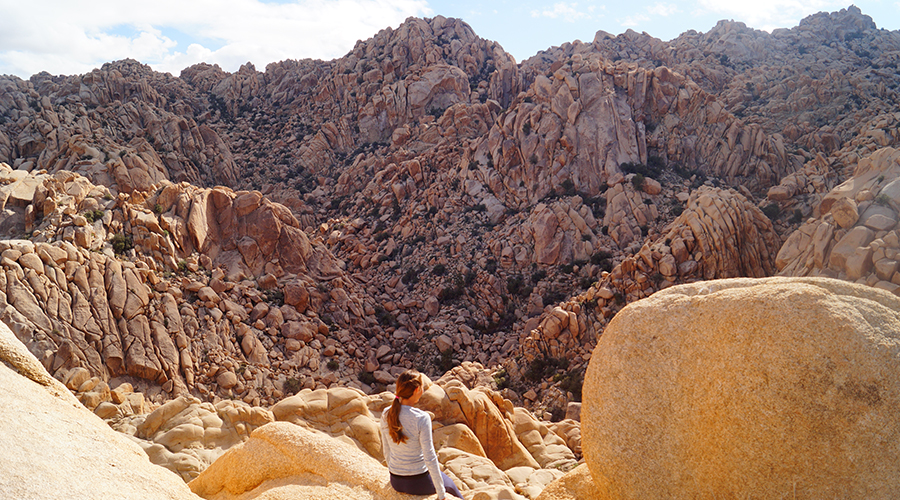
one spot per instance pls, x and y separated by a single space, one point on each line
64 37
634 21
662 9
566 11
770 14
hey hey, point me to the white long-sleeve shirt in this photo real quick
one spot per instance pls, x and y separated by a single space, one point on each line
416 455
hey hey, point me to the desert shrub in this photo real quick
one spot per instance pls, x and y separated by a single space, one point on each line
292 386
274 296
385 318
94 215
121 243
545 366
772 211
445 361
515 285
332 364
501 378
365 377
411 276
637 181
571 381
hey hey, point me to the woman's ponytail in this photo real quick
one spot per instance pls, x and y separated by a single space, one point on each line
407 383
393 419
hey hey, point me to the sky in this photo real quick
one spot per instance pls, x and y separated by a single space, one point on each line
73 37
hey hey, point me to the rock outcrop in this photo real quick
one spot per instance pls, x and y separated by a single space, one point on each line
282 460
55 448
489 448
856 236
747 387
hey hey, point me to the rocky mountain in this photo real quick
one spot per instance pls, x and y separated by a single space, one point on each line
234 239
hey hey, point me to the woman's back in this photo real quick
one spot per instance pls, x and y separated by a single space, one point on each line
408 458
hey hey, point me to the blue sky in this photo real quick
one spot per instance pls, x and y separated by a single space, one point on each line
69 37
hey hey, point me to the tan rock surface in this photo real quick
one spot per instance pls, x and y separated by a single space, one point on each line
282 460
55 448
747 387
575 485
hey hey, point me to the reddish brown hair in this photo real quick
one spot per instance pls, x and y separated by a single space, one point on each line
407 383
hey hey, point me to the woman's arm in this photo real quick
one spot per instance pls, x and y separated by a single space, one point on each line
430 456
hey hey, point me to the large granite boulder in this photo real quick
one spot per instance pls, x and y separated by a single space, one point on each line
743 387
282 460
53 447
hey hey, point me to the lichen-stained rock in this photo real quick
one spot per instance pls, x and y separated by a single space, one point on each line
743 386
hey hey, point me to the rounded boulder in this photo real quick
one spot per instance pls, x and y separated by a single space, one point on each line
748 388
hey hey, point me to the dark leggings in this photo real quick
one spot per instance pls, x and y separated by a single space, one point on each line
421 484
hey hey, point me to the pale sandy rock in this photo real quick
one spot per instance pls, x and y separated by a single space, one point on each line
486 413
340 412
845 212
545 446
42 422
186 436
792 381
575 485
847 246
477 476
282 460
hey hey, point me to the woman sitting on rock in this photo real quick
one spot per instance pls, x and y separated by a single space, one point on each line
408 448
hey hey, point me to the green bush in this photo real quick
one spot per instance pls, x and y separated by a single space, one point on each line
544 367
637 181
121 243
332 364
772 211
365 377
292 386
94 215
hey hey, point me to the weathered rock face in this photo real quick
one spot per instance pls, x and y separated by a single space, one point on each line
737 387
283 460
856 236
42 422
590 115
720 234
151 131
490 449
575 485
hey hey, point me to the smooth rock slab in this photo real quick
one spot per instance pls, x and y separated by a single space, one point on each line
53 447
748 388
